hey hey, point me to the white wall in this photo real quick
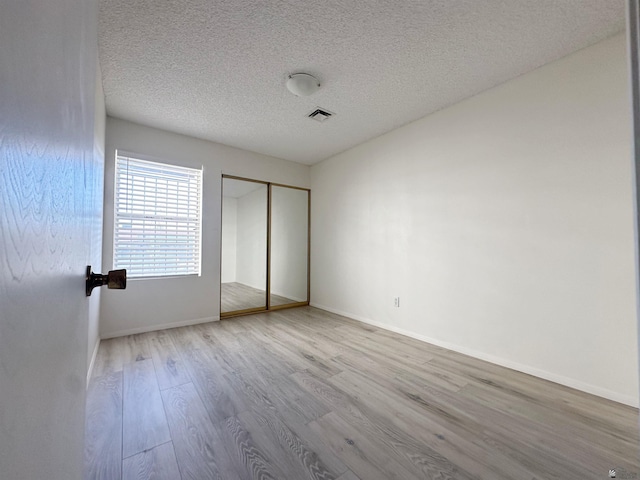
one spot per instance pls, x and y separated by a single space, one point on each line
504 223
289 235
251 240
229 238
149 304
96 230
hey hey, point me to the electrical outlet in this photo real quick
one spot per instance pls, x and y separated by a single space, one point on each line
396 302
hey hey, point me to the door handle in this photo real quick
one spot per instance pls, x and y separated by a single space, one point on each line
114 279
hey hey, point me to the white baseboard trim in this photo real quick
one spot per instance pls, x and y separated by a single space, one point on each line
290 297
280 294
536 372
93 361
153 328
250 285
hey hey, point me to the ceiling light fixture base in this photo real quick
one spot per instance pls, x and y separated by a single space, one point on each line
302 84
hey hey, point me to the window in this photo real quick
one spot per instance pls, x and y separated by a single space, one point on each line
157 218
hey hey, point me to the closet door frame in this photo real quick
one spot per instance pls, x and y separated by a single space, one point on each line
268 307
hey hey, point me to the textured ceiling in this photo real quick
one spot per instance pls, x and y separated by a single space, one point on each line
216 69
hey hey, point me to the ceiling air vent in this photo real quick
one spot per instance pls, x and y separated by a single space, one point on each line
320 115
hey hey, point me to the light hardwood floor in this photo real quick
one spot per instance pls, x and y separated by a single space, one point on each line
237 296
305 394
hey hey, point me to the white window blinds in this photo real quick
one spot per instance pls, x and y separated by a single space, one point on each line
158 217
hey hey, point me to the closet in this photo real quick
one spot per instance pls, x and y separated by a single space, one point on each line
264 247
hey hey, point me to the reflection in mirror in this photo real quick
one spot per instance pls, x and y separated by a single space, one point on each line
289 245
244 245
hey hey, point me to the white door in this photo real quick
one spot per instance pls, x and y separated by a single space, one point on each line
49 203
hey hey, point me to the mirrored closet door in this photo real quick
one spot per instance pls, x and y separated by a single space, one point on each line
243 281
289 245
265 246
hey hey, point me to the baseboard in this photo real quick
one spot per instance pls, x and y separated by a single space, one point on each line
536 372
279 294
153 328
93 361
257 287
283 295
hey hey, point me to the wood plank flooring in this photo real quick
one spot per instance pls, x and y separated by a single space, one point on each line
305 394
